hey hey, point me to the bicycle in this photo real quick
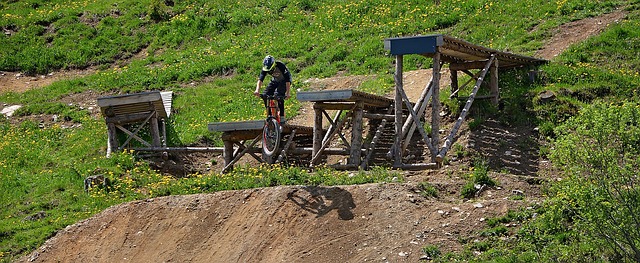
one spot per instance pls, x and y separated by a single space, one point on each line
272 130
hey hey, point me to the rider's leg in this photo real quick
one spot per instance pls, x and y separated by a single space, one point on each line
281 91
269 91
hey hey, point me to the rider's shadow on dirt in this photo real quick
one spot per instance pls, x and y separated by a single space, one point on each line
321 200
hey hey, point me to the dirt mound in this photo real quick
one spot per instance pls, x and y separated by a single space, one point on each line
375 222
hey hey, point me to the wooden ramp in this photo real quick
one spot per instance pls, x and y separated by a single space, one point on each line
351 108
242 138
130 113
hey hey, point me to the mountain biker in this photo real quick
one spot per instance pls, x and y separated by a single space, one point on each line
280 82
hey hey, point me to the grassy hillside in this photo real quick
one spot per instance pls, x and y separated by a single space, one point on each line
218 45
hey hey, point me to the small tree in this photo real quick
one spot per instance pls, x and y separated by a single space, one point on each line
599 150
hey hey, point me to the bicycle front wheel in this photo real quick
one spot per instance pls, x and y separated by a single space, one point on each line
270 140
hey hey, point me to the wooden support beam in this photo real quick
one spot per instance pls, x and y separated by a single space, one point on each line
228 152
463 114
164 132
468 65
112 138
284 151
327 151
334 106
251 152
416 166
419 107
455 93
493 84
134 134
180 149
454 83
325 143
356 134
317 131
333 125
154 129
239 155
435 106
129 118
395 150
376 116
407 131
415 117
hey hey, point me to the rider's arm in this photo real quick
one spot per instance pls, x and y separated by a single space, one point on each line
261 77
258 85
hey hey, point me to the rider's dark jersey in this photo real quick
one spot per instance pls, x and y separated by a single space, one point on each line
280 73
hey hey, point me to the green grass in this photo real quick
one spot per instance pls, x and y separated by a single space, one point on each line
145 45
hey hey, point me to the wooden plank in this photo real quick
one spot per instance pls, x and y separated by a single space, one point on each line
133 103
325 95
370 100
236 126
129 99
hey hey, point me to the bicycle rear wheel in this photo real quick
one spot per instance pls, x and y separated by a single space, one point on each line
270 140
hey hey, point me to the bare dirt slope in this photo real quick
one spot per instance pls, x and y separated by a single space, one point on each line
360 223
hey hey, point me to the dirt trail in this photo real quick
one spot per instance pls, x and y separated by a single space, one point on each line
374 222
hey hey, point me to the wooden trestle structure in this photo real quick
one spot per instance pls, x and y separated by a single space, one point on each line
140 110
461 56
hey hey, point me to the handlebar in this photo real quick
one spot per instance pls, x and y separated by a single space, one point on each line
271 97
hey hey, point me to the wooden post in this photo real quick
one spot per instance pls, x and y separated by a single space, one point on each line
495 90
395 150
317 131
435 107
155 131
112 138
164 133
228 152
356 134
454 83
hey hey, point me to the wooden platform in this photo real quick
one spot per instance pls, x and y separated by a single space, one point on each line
245 130
342 96
461 54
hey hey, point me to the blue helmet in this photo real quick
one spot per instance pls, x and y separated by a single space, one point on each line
268 63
